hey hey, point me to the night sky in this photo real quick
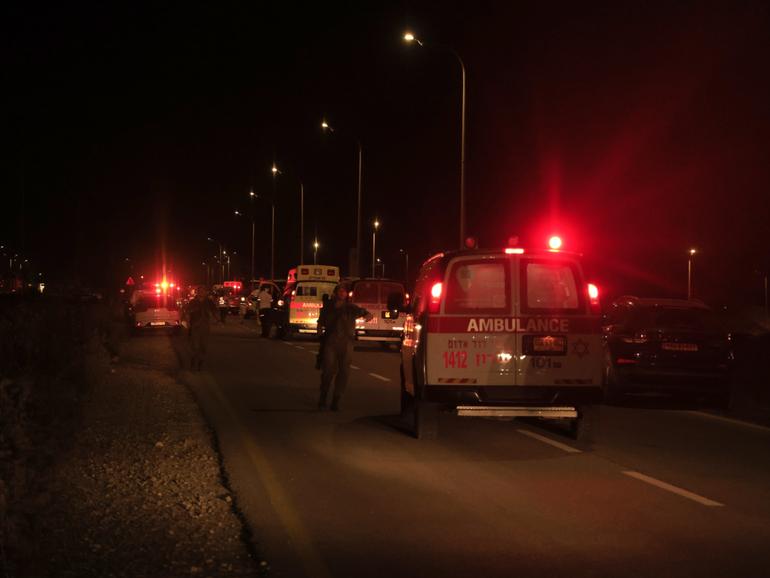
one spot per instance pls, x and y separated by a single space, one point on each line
636 130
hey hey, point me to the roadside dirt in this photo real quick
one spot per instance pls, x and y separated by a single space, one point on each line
141 493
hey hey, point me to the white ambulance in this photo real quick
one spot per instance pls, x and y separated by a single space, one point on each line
303 297
502 333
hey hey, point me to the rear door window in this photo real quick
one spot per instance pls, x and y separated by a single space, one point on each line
366 292
307 291
550 286
146 302
391 292
479 286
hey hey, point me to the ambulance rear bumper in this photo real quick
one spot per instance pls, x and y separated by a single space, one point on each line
504 396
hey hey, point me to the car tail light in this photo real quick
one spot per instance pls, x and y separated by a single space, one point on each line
435 296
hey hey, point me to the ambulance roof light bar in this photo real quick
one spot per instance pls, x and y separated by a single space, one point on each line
554 243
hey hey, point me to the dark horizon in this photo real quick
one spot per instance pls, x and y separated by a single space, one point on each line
635 132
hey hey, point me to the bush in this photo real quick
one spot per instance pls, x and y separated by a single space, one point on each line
42 353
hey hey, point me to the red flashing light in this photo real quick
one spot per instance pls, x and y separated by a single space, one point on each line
471 243
593 293
554 243
514 251
593 298
435 297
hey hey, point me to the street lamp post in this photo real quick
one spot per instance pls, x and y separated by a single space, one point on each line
276 171
360 156
374 246
272 229
315 252
252 196
409 37
690 292
221 261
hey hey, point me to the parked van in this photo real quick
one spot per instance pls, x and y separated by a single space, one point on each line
385 300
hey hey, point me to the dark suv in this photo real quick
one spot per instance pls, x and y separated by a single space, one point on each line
666 345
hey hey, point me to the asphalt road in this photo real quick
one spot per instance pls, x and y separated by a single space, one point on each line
658 492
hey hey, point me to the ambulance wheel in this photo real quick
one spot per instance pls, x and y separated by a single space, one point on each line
407 401
425 420
583 426
612 382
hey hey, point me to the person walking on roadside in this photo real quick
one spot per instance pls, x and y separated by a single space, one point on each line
337 323
200 311
265 304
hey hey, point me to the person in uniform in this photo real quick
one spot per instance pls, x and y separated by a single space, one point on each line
200 311
337 322
265 303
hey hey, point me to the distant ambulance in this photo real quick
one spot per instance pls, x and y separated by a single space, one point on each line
502 333
303 298
156 306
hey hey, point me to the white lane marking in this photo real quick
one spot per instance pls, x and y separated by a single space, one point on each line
354 366
673 489
380 377
287 343
550 442
731 420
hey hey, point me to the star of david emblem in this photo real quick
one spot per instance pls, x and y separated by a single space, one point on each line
580 348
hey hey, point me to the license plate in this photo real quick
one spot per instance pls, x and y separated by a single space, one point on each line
157 322
679 346
549 343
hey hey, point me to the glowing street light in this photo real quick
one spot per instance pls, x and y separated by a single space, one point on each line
316 245
375 228
326 127
690 291
410 38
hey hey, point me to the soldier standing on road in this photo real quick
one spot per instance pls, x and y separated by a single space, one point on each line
200 312
337 321
265 303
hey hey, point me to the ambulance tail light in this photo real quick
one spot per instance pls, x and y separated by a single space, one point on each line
593 298
435 296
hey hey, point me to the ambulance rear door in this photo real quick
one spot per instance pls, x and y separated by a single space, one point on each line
559 336
305 305
471 338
